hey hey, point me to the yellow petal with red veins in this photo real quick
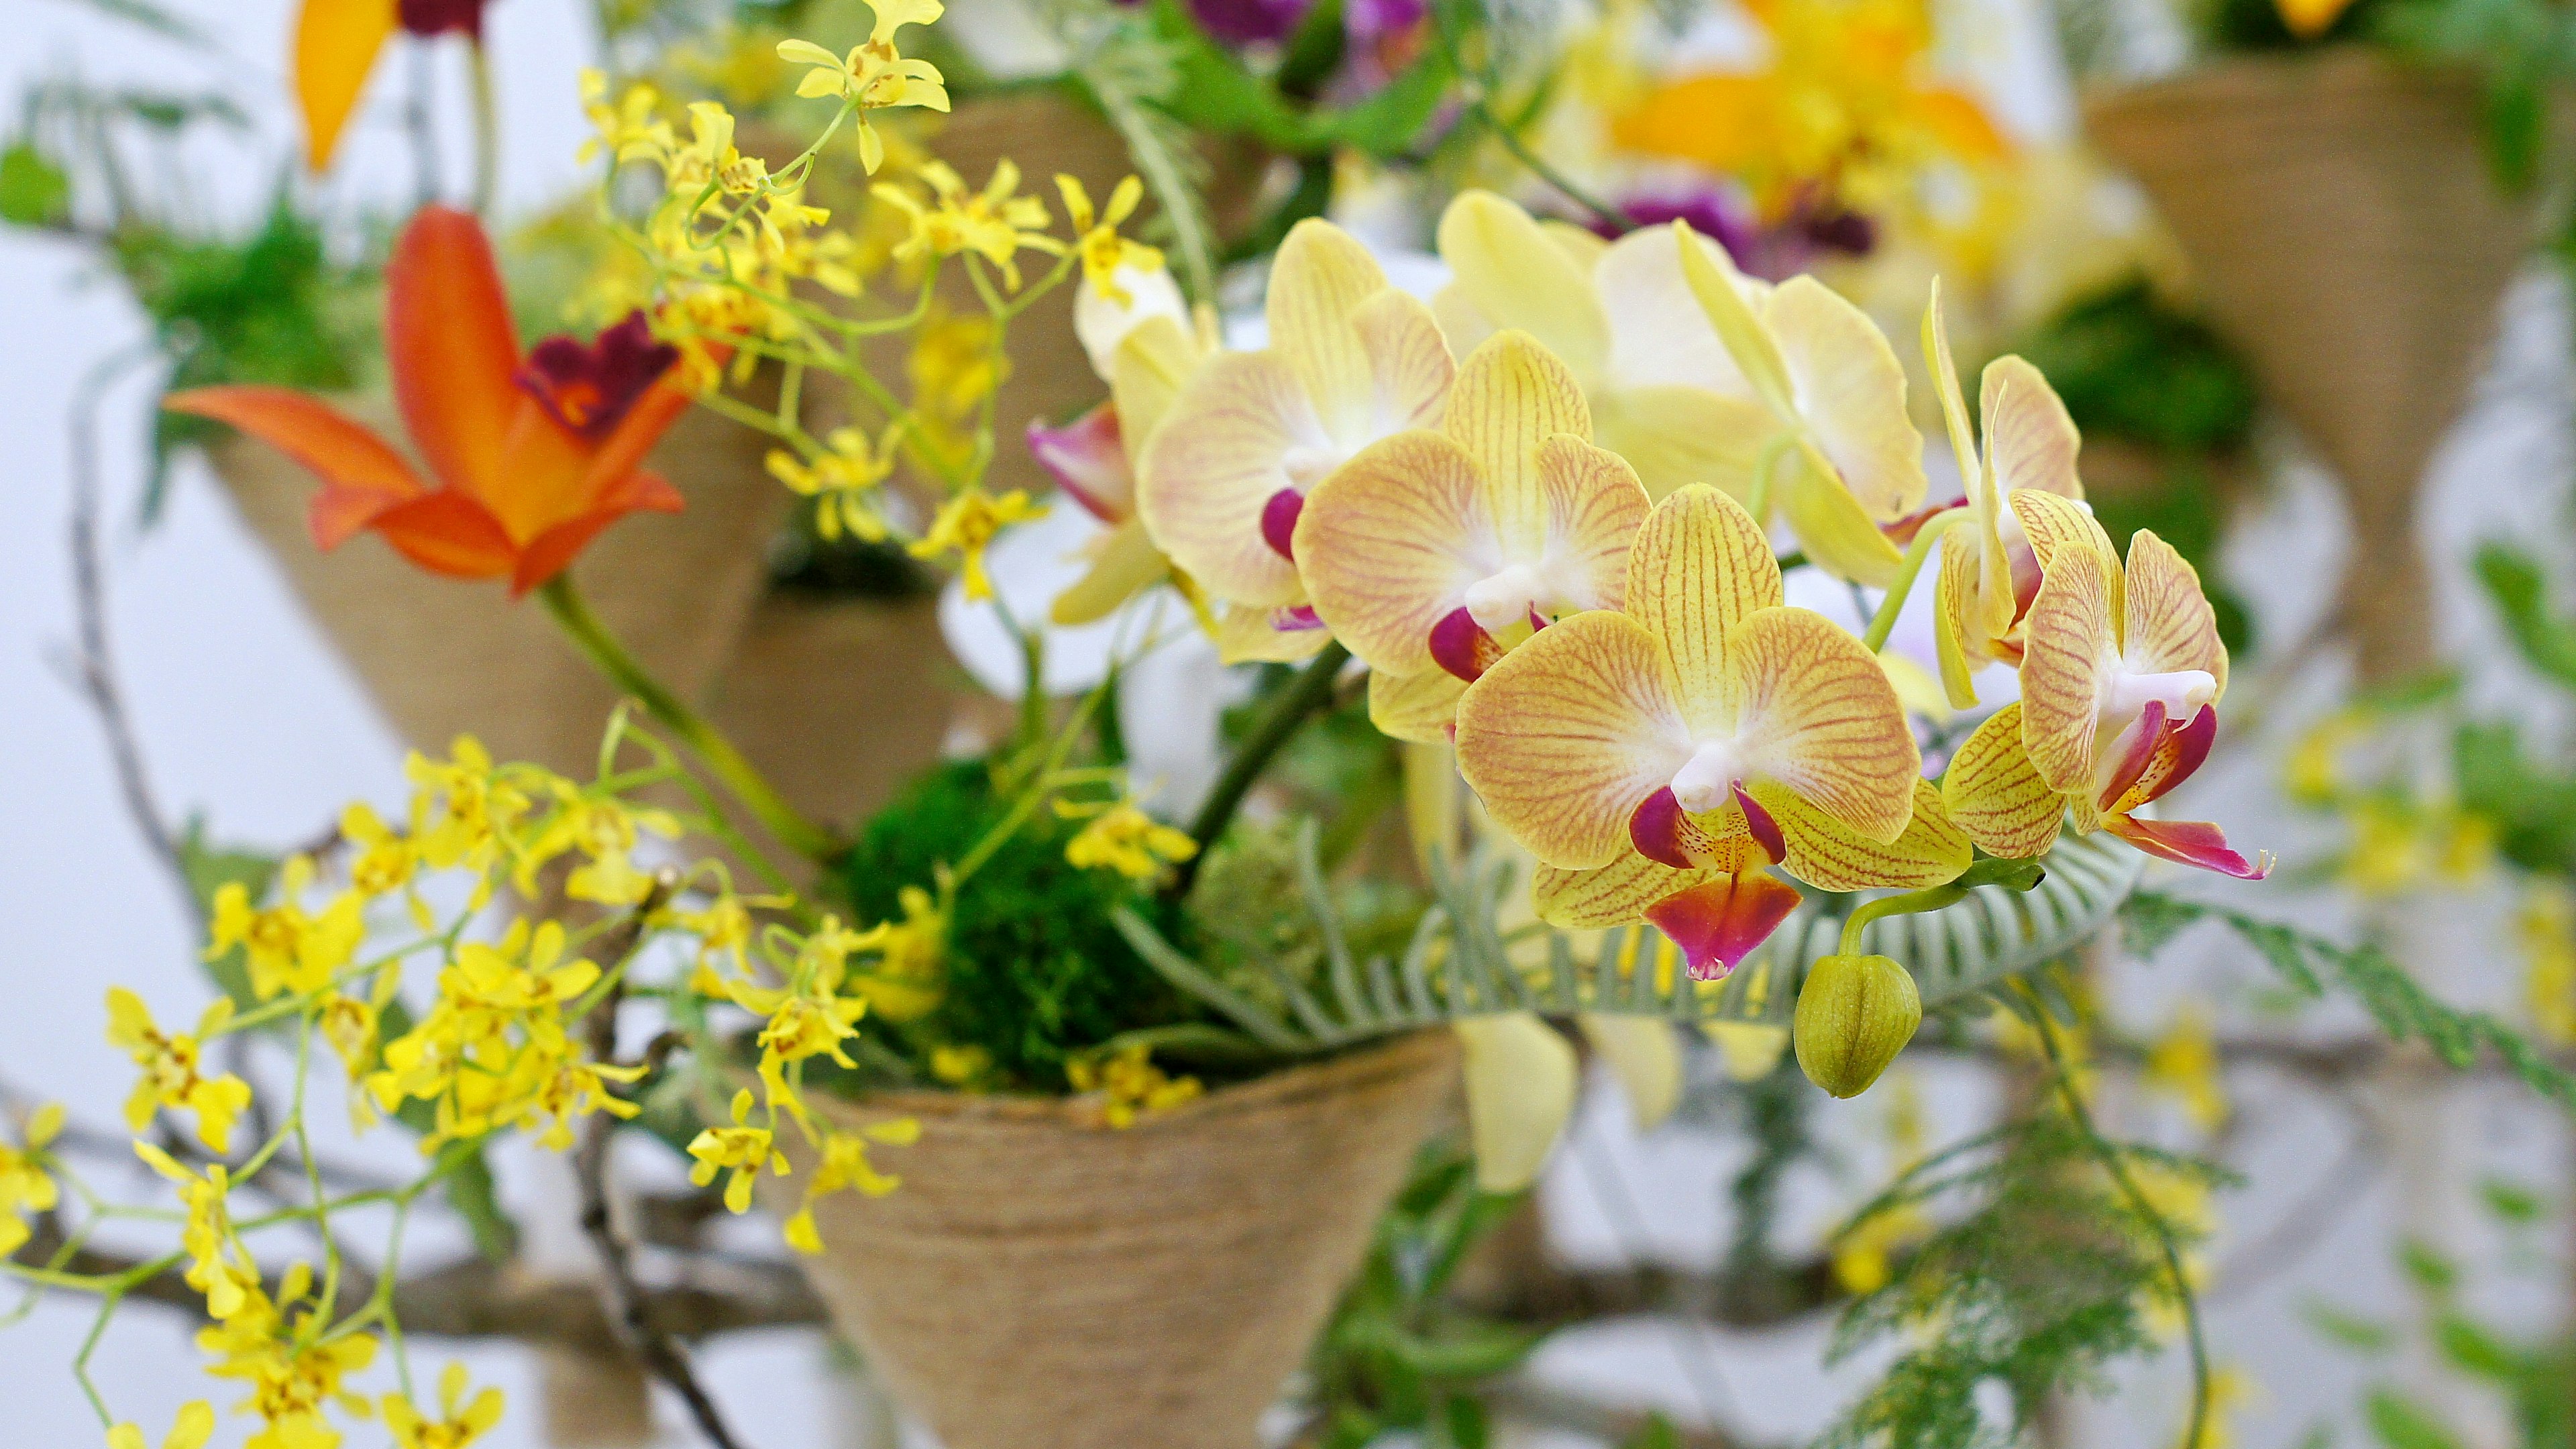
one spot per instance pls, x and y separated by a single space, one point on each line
1996 795
1154 361
1813 711
1251 635
2069 652
1975 571
1122 566
2031 441
1317 284
1851 392
1594 507
1409 364
2169 624
1564 736
1721 291
1389 543
1215 463
2051 523
1954 618
1520 1078
1677 435
1511 395
1837 534
1642 1054
1419 708
1515 275
336 42
1698 567
1831 856
1616 894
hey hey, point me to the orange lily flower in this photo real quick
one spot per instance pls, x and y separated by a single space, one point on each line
336 42
532 457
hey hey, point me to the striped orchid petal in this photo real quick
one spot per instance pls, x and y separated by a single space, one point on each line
1813 711
1419 708
1830 855
2190 842
1995 794
2070 659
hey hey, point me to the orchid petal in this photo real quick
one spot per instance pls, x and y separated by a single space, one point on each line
1659 334
1460 645
1520 1079
1103 324
1153 363
1718 924
547 484
1813 711
1253 634
2031 440
361 474
1976 572
1953 612
2133 749
1722 294
1410 369
1088 460
1594 506
2052 523
1391 540
1642 1054
2177 756
1996 795
1462 326
2189 842
2168 623
336 42
455 356
1831 856
1517 277
1510 396
1214 464
638 431
1699 567
1124 563
449 533
1837 533
2069 654
1676 436
1419 708
1617 894
1565 734
1851 393
1319 279
1721 840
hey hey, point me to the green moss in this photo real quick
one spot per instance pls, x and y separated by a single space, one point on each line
1036 972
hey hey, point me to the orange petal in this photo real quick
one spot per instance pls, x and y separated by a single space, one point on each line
335 47
548 481
2069 651
1617 894
1390 542
1420 708
1564 735
635 436
558 546
1510 396
1216 462
1996 795
2169 624
1318 281
1814 712
361 474
1700 566
455 358
448 533
1831 856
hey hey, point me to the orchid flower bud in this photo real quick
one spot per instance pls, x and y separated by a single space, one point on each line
1854 1015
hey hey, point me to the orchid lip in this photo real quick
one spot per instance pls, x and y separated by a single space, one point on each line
588 386
1506 596
1279 522
1656 829
2182 692
1705 781
1460 645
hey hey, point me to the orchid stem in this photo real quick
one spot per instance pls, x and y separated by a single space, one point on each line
1310 692
1883 622
1757 499
487 130
704 740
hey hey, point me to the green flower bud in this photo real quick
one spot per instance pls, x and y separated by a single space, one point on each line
1854 1015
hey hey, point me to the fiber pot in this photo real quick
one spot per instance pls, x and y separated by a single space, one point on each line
1041 1279
2348 237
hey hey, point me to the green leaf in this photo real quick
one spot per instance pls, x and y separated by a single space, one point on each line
2510 1201
2350 1331
2520 592
2430 1271
2148 921
1462 1348
1466 1422
33 190
2475 1350
1656 1433
2399 1422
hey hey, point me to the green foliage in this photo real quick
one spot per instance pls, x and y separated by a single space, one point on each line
2522 51
2042 1272
2132 368
2403 1009
2514 582
1397 1355
1035 970
33 190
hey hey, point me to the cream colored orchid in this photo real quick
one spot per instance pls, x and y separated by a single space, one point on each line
1350 361
1660 757
1663 390
1520 1079
2121 675
2023 497
1431 553
1840 461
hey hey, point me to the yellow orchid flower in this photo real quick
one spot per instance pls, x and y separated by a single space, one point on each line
996 223
1840 459
460 1422
2121 675
1520 1079
740 1149
876 74
1431 553
1664 392
172 1065
2023 496
196 1425
1351 360
1147 354
1659 757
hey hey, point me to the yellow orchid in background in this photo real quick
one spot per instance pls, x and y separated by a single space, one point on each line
842 480
740 1149
1351 360
460 1422
1840 460
336 42
1107 258
2023 497
1520 1079
966 525
285 946
1663 390
195 1425
875 74
2121 675
25 1186
172 1067
1659 757
843 1166
1432 553
995 223
1125 839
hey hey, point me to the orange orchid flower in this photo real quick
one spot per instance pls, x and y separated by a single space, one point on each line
336 42
533 456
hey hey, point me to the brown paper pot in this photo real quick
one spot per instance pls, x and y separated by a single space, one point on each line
1042 1281
442 657
2339 214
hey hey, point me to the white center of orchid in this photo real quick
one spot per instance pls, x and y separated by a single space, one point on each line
1506 598
1306 464
2181 691
1707 779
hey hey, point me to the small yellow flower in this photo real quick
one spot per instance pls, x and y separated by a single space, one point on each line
461 807
628 131
25 1187
1097 240
966 525
845 1167
1864 1259
171 1069
2547 927
293 1370
1130 1085
841 480
386 861
994 223
606 830
741 1148
909 978
1128 841
196 1425
287 948
874 75
959 1066
2183 1063
219 1266
459 1424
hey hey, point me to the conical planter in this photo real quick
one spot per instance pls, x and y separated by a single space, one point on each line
1042 1280
2348 237
441 657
